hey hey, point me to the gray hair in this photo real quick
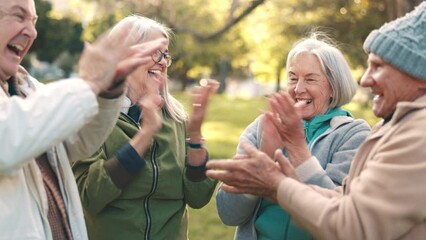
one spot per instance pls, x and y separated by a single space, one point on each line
142 28
333 64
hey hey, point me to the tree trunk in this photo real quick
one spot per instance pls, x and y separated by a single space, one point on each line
398 8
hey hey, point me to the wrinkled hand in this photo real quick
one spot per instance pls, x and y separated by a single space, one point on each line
105 63
270 139
200 99
287 118
285 165
151 103
255 173
151 121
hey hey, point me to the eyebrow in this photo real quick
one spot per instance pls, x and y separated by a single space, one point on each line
308 75
313 74
23 10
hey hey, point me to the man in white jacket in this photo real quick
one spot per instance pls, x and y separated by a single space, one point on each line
42 130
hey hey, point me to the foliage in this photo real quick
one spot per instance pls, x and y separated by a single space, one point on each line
244 39
238 39
207 35
55 36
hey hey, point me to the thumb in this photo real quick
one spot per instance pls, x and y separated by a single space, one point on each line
281 159
299 106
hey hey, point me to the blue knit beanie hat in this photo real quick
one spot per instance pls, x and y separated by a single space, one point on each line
402 42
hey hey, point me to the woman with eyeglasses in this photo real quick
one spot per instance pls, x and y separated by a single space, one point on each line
139 183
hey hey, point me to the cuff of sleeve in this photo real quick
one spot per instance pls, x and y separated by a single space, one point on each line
308 169
130 159
196 173
107 102
124 165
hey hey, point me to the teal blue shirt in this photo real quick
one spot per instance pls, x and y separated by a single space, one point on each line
272 221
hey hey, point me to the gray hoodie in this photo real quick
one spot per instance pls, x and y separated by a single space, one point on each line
332 153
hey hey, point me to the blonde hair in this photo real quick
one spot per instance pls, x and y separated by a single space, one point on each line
142 28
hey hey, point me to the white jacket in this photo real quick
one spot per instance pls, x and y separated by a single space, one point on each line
47 121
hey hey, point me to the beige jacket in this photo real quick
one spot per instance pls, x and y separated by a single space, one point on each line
385 193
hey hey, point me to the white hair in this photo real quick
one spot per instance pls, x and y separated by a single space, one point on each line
333 64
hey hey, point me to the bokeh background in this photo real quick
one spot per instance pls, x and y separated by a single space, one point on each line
241 43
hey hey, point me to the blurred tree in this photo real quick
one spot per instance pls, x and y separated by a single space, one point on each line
206 42
55 36
398 8
248 39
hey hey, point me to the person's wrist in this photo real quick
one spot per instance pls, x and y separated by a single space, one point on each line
195 136
95 88
298 154
276 181
110 94
195 143
146 133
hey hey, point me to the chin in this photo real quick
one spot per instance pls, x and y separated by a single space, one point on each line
11 71
307 117
379 114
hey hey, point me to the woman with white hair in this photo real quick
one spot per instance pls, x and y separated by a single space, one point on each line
320 81
139 183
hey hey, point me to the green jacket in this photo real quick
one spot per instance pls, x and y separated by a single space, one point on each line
153 204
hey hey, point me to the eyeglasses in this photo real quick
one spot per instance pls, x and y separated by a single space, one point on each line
159 55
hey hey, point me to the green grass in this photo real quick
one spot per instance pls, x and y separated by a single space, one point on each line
226 120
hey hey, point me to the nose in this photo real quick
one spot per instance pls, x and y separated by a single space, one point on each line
366 79
30 30
300 87
163 61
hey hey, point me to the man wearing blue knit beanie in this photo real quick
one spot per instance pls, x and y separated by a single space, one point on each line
384 196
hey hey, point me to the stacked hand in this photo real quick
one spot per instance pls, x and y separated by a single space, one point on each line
256 173
286 119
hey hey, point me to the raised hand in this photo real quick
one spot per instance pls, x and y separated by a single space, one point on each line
200 99
151 103
270 139
105 63
150 123
286 117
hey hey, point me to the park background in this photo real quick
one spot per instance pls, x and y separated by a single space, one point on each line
241 43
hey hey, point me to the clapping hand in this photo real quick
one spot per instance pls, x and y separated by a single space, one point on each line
105 63
200 99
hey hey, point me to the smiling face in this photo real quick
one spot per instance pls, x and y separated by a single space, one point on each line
150 77
307 82
17 24
389 86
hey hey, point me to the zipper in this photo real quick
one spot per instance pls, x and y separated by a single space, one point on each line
138 125
153 189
